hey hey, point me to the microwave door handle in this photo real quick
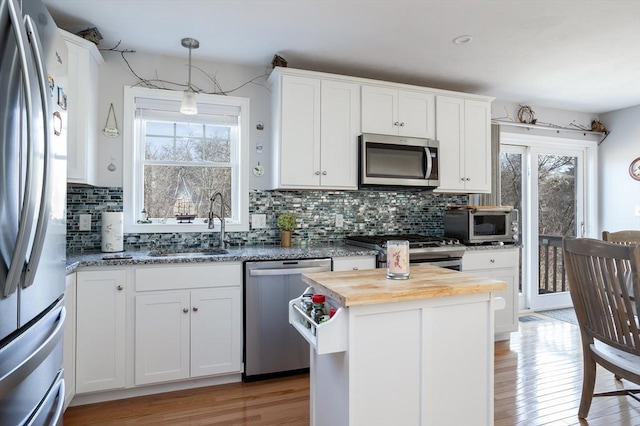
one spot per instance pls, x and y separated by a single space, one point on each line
428 163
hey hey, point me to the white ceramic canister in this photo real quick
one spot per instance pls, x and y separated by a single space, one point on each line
398 259
112 232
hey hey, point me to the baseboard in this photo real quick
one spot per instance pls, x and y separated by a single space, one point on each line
92 398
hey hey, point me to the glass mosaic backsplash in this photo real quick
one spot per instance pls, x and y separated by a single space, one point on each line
364 213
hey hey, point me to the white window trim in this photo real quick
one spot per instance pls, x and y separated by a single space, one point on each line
131 161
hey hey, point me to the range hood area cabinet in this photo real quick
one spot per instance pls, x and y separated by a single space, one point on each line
317 118
389 111
82 109
316 128
463 127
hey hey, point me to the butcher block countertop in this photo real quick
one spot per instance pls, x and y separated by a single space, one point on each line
368 287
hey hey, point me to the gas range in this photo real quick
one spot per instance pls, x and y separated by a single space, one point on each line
421 248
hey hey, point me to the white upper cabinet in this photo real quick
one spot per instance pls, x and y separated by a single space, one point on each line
390 111
82 107
464 131
316 127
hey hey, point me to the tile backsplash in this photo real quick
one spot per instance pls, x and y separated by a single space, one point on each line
364 212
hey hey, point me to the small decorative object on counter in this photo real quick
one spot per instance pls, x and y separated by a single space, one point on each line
286 222
318 308
398 259
112 232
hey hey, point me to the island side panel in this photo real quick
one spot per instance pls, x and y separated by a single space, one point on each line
419 362
387 351
458 364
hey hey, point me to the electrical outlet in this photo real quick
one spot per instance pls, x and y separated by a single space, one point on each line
84 224
339 220
636 211
258 221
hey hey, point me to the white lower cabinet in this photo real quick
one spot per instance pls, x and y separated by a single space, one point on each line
503 265
184 332
69 345
100 330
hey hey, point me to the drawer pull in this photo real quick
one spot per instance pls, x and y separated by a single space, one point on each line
185 310
120 288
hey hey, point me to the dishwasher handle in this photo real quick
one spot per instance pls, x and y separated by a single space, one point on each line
287 271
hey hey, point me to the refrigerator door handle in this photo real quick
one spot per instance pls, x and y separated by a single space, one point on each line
47 413
26 366
25 221
43 214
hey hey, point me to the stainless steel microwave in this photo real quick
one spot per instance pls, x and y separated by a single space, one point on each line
398 161
482 225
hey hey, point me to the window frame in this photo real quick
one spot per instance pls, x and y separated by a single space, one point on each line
132 162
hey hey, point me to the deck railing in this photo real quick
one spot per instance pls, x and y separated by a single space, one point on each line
552 276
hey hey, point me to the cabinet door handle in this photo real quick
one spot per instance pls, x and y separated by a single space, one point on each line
324 173
492 261
120 288
397 123
195 309
318 173
355 268
185 310
402 124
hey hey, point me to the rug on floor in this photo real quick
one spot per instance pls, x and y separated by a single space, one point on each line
566 314
528 318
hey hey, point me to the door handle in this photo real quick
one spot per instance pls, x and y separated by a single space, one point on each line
45 194
26 366
286 271
428 163
27 210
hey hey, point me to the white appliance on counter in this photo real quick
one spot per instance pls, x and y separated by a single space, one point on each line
32 213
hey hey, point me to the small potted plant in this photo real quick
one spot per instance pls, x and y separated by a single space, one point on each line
286 223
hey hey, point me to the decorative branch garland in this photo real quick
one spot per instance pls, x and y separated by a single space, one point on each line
151 82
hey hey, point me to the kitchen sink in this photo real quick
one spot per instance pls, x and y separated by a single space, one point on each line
185 253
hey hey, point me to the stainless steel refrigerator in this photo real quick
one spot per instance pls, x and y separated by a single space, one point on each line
32 214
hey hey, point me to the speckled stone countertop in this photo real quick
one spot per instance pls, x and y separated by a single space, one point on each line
235 254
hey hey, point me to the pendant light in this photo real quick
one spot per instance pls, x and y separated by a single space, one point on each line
189 106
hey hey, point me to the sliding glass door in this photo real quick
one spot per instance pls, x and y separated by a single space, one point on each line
546 181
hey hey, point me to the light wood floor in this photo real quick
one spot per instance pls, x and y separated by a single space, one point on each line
538 378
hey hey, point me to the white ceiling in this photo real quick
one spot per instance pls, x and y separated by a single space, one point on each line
576 55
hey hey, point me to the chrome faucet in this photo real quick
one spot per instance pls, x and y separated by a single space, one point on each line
220 217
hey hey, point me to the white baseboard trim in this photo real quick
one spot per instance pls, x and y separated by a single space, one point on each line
92 398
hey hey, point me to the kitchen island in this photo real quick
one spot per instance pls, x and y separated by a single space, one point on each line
402 352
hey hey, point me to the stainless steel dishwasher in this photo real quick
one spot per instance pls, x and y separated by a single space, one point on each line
272 346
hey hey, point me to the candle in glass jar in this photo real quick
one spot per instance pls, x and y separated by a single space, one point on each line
398 260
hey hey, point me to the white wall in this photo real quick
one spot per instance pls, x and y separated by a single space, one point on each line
114 75
619 193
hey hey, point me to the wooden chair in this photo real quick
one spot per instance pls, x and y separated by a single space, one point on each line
603 277
624 237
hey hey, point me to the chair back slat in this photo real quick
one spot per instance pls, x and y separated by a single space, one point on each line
605 290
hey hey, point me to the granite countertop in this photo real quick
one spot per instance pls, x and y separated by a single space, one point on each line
368 287
235 254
